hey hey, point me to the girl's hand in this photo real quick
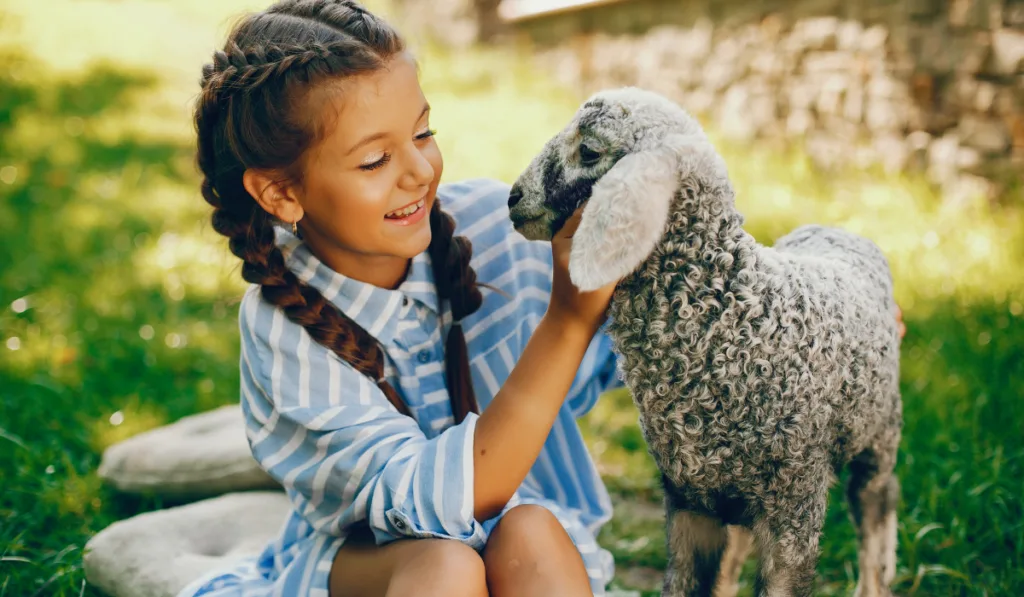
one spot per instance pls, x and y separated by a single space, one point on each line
568 304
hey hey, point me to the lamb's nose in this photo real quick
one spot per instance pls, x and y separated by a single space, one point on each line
514 196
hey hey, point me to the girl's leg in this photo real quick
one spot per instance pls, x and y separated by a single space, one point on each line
421 567
530 554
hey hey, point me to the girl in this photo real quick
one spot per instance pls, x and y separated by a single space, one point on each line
423 429
418 409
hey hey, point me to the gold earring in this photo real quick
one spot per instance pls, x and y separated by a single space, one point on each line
295 228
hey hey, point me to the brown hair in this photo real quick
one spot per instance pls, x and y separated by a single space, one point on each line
246 118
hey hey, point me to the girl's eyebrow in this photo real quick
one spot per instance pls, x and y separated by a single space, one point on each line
381 135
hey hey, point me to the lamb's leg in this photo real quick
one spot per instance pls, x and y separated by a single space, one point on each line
873 494
695 547
740 544
788 544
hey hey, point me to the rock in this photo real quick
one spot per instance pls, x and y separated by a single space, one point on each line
988 135
818 33
892 152
159 553
825 150
942 157
801 94
1007 52
734 117
799 122
985 96
700 101
884 115
853 108
917 150
768 63
968 158
848 35
199 455
874 39
830 98
827 62
885 86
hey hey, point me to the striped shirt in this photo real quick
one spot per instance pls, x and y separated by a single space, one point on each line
346 456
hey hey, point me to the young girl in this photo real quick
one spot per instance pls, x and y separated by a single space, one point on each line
418 409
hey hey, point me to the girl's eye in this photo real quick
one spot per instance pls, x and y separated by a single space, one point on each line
426 134
384 159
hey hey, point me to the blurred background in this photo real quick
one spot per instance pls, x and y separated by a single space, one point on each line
903 121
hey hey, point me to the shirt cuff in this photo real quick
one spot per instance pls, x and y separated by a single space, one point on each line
442 500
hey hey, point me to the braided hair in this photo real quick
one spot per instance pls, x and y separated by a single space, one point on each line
245 118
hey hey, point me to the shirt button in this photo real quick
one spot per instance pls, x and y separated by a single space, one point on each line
399 524
424 356
405 301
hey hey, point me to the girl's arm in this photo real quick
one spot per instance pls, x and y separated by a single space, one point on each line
511 431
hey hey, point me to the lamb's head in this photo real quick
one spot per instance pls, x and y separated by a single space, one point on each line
625 154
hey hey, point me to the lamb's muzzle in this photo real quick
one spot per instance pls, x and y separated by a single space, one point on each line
757 371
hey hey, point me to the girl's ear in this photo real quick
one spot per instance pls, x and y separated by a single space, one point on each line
274 195
625 215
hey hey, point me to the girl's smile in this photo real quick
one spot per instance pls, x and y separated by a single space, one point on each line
409 214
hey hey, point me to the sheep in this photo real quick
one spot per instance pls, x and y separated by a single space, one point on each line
758 372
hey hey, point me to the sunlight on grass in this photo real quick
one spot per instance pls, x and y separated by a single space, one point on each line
131 417
76 494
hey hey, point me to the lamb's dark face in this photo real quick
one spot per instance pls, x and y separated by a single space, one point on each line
561 177
609 126
625 154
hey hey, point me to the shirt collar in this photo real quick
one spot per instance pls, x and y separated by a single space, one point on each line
373 308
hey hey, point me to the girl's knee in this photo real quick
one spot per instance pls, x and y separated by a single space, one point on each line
528 521
530 553
528 530
441 567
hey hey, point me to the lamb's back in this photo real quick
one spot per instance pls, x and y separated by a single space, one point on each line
834 290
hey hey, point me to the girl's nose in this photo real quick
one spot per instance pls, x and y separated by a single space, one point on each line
420 172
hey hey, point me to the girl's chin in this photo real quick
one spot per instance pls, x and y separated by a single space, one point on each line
412 241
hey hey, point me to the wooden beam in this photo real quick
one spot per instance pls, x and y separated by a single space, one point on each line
512 11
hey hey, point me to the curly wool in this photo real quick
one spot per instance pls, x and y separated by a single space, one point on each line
758 371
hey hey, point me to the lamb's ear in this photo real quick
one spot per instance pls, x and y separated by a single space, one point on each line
625 216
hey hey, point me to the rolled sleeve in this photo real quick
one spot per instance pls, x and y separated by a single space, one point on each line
343 452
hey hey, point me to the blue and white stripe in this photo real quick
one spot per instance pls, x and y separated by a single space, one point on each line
346 456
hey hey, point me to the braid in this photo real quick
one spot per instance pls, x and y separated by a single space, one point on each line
238 69
456 283
235 133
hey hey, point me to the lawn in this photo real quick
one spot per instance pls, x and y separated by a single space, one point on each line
118 302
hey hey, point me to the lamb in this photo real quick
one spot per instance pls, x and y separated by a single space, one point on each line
758 372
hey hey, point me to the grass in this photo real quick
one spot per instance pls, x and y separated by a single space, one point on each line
118 303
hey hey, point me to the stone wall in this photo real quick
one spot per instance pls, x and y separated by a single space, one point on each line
927 85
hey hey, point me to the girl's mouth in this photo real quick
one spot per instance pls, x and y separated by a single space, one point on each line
410 214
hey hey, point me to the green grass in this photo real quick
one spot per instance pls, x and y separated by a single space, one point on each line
117 299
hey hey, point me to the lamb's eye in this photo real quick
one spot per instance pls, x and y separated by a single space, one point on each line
588 155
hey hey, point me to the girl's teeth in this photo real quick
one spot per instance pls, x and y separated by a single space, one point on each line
407 211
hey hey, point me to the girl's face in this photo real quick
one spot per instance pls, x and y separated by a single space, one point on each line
368 185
